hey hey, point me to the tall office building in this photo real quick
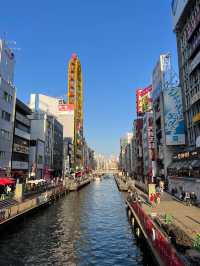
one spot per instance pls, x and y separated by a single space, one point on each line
64 114
186 24
7 106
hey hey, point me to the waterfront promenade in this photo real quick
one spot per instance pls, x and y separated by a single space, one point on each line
185 217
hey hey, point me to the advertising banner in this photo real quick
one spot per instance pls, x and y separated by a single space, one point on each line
65 108
173 117
144 100
160 71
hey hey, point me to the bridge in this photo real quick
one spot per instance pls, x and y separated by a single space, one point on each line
106 172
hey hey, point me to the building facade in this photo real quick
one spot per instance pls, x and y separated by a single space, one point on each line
186 18
148 146
169 125
64 114
21 141
46 132
7 106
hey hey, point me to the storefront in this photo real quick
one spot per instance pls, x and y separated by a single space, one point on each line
184 172
185 164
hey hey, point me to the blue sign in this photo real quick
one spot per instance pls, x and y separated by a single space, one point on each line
173 116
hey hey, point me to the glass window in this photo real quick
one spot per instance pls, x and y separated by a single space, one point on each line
5 116
2 155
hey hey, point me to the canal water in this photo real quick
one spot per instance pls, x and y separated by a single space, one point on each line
89 227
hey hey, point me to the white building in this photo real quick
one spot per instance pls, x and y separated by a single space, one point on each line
168 115
7 106
46 132
56 107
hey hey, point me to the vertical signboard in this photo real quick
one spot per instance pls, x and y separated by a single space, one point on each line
173 117
143 100
160 74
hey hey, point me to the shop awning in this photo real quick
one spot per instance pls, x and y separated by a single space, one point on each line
4 181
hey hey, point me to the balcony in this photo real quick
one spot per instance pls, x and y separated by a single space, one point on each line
194 46
195 62
22 134
193 27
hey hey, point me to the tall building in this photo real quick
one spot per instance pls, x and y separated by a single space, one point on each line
169 129
124 141
56 107
186 18
65 115
148 146
21 141
7 106
47 137
75 97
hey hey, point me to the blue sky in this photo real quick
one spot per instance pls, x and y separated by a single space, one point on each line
118 43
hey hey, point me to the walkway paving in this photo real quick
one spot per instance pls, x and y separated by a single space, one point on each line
186 217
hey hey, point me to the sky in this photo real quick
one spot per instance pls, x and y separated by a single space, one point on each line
118 43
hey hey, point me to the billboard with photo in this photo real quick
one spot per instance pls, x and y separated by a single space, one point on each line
144 100
173 116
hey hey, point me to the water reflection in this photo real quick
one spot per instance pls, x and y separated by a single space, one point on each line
88 227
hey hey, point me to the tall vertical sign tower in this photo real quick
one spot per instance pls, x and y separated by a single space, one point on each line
75 97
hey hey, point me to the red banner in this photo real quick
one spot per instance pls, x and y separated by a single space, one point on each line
161 244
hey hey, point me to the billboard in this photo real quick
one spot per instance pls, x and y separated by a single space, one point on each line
143 100
65 108
178 7
158 78
173 117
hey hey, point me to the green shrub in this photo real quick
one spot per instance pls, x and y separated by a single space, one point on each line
168 218
196 243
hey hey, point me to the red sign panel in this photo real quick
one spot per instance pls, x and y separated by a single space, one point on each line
65 107
144 100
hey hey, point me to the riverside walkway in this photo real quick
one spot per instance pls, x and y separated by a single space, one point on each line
185 217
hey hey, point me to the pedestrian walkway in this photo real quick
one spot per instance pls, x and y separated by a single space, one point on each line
186 217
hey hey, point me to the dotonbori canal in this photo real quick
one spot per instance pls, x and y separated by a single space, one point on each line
88 227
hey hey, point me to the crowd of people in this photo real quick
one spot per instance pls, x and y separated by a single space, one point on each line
189 197
6 191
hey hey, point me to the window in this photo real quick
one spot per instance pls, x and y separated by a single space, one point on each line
7 97
2 155
5 134
5 116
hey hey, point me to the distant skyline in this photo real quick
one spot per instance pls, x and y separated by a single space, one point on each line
118 45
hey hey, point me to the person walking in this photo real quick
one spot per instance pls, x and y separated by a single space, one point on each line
187 199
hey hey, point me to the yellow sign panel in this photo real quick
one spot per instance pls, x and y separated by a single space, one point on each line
196 118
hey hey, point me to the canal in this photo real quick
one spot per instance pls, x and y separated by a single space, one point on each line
88 227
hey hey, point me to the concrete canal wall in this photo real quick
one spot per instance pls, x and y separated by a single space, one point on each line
121 184
20 208
164 253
